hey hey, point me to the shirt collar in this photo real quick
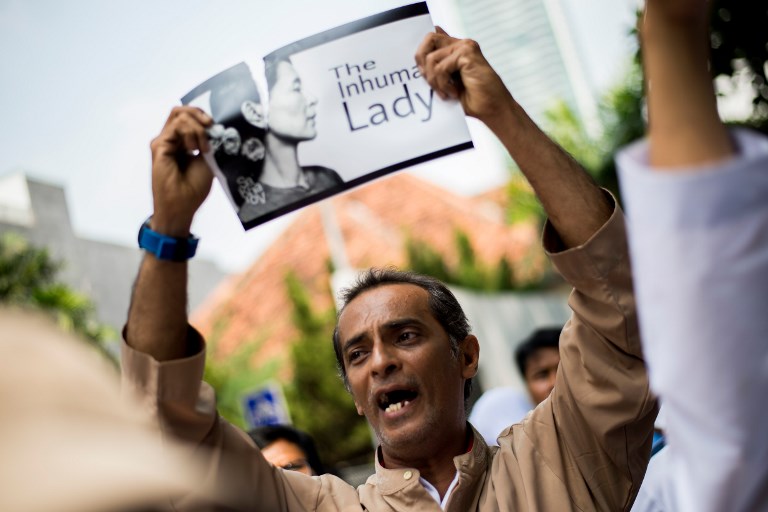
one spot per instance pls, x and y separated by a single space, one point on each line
469 467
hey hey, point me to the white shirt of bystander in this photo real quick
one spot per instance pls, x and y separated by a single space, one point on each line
699 247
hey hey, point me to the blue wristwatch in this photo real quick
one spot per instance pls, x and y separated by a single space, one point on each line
166 247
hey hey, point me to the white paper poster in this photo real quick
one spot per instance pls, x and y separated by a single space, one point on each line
342 107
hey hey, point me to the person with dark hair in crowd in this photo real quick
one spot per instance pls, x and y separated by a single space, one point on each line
291 120
537 358
406 351
286 447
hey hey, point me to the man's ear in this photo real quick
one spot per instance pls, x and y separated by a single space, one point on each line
359 409
469 356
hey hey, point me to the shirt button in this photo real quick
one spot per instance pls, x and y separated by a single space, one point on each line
408 474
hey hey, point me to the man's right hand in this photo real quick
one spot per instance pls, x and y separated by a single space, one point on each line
181 180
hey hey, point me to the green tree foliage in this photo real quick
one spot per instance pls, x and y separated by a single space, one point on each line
620 113
318 401
29 278
524 206
422 258
468 272
565 126
622 118
235 375
740 37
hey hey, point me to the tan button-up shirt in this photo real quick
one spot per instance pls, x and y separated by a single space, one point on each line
584 448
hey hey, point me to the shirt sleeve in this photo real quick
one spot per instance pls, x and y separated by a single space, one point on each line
185 409
595 429
699 246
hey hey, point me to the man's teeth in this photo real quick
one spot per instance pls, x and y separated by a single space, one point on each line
397 406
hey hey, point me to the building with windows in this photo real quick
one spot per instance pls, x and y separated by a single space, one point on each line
531 45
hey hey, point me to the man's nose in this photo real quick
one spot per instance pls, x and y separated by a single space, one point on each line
383 360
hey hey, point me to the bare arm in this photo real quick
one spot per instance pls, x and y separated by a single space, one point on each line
685 128
157 319
575 205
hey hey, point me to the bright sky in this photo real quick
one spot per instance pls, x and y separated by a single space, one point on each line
88 83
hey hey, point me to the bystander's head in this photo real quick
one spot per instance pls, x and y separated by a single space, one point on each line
537 359
288 448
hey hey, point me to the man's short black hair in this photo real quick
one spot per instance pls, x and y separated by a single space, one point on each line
546 337
443 304
268 434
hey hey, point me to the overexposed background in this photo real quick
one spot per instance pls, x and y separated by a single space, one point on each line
86 85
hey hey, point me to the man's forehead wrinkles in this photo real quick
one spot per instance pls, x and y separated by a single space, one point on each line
386 305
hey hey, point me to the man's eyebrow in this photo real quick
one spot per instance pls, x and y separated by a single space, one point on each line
351 342
392 325
403 322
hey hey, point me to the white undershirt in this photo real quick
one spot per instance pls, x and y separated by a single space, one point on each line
433 492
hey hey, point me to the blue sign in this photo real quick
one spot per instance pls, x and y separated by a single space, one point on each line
265 406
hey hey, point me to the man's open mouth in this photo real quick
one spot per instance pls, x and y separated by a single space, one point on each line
395 400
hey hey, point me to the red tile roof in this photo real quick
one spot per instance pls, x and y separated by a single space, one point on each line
375 221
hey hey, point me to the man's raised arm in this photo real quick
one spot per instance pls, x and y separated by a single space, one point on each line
181 180
457 69
163 360
601 407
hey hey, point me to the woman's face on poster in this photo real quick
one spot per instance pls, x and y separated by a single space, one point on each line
291 110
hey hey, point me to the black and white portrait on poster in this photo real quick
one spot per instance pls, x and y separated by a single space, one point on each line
238 134
343 107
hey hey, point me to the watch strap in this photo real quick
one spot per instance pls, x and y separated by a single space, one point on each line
166 247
